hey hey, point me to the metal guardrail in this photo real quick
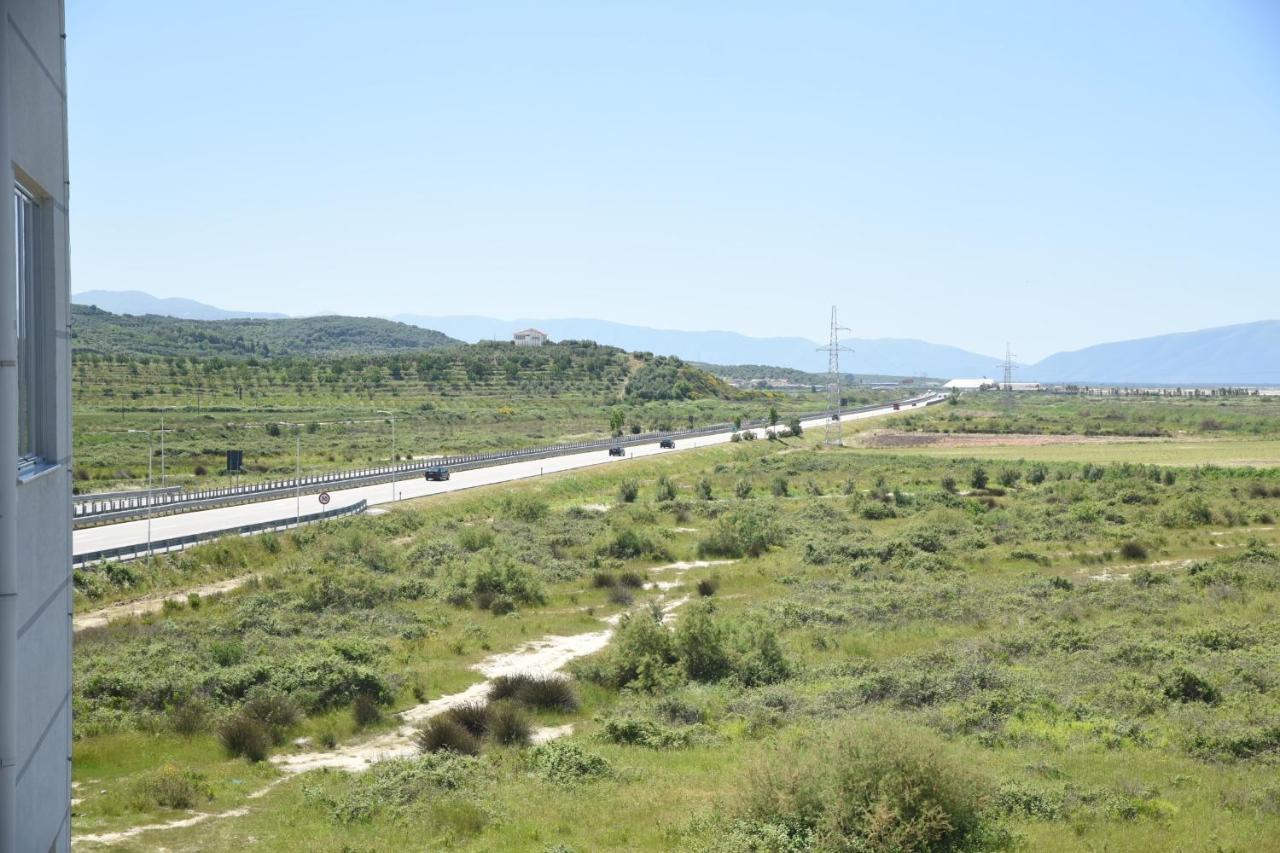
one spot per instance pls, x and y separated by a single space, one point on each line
179 543
90 510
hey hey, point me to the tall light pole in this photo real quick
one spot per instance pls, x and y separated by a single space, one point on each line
392 415
150 496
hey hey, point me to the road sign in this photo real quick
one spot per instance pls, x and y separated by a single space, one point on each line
324 498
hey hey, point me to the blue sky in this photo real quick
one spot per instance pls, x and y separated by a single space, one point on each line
1055 174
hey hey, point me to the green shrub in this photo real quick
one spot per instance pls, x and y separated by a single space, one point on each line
445 734
666 490
169 787
525 506
704 490
707 587
544 692
1182 685
700 644
643 653
628 491
1133 550
635 580
566 763
629 543
742 489
475 538
637 732
276 713
621 596
509 725
978 478
244 737
779 487
472 716
604 580
366 711
872 786
188 718
877 511
750 532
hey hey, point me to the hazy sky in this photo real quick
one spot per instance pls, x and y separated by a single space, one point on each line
1057 174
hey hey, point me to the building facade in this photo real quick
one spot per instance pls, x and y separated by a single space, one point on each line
529 338
35 433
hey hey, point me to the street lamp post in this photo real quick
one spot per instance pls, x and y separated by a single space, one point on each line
392 415
150 494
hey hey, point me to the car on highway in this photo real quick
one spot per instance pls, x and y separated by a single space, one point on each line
617 451
436 474
897 407
667 443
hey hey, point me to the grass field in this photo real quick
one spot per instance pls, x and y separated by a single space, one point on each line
1227 452
908 651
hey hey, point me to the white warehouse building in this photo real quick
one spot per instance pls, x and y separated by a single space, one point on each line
35 434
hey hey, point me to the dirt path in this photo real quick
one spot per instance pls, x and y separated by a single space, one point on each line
546 656
152 603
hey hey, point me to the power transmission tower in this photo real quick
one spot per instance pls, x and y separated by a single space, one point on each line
1008 373
834 431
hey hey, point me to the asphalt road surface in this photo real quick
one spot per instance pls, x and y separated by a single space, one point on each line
413 486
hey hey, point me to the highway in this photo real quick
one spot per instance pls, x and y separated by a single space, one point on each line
162 527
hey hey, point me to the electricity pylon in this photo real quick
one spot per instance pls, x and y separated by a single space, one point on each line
834 431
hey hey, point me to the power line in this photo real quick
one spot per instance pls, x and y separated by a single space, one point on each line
834 429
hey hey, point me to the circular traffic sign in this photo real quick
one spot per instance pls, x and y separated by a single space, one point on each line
324 498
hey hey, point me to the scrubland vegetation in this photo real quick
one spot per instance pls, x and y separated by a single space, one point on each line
902 653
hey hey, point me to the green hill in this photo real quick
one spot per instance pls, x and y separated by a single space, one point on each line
97 331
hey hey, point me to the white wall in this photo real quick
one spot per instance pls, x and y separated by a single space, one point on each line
35 519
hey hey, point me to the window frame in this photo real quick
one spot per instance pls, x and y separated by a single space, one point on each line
29 287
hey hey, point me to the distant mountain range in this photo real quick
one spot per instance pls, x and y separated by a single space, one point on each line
138 303
1245 354
883 356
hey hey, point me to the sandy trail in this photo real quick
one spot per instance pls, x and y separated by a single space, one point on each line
545 656
152 603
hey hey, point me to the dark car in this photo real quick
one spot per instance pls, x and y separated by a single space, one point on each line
897 407
436 474
667 443
617 451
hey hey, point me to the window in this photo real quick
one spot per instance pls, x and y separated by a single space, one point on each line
26 239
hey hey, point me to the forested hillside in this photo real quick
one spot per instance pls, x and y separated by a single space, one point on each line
98 331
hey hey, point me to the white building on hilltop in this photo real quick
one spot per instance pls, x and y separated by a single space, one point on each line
35 433
529 338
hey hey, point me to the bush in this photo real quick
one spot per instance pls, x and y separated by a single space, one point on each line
742 489
603 580
795 427
628 490
630 731
779 487
621 596
509 725
1182 685
244 737
1133 550
949 484
749 531
566 763
707 587
629 544
704 490
188 718
1009 477
643 653
169 787
523 506
876 511
276 713
445 734
700 644
635 580
544 692
978 478
475 538
666 490
365 710
873 786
